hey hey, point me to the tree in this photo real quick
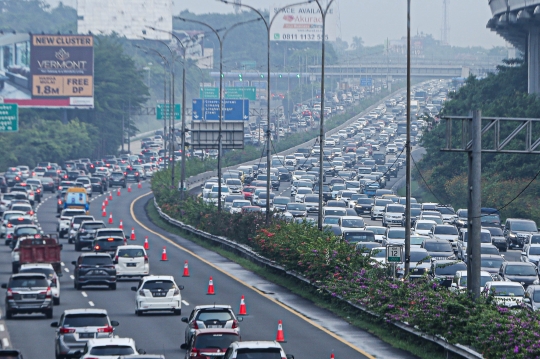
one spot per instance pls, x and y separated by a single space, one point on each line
36 16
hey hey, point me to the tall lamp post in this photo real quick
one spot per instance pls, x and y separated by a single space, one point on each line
268 25
220 39
321 123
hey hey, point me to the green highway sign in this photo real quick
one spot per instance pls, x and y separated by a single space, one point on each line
9 117
164 111
393 254
231 93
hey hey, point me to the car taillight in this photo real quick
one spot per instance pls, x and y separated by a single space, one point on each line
53 283
235 324
141 293
9 225
59 201
145 259
136 173
30 213
17 178
107 329
116 258
194 325
9 294
97 247
194 352
176 291
66 330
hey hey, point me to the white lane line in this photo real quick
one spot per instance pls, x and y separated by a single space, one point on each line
185 303
67 270
2 328
72 277
5 343
62 264
84 294
91 303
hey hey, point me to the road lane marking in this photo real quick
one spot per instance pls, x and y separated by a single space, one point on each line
275 301
62 264
72 277
185 303
91 303
2 328
84 294
67 270
5 343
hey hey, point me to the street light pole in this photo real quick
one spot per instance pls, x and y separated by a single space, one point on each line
408 150
268 25
221 39
321 124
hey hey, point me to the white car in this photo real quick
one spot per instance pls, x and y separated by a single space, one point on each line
207 187
158 293
378 255
505 294
131 261
379 232
109 348
103 171
75 223
86 183
64 218
5 217
5 201
423 226
301 194
149 169
237 205
52 277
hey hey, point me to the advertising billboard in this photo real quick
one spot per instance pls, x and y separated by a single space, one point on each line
59 73
302 23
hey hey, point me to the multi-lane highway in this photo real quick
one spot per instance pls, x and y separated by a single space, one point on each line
310 331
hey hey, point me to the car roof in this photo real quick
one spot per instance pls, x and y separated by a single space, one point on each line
212 306
255 344
85 311
217 331
131 246
37 265
94 254
113 341
157 277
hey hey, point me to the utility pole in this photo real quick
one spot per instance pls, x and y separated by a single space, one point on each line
474 206
408 150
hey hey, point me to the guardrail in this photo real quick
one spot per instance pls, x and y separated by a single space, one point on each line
247 252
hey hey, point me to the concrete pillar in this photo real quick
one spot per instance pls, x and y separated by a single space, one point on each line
533 60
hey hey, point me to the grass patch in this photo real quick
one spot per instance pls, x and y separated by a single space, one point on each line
419 193
388 333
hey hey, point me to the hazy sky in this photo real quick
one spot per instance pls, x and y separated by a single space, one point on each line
376 20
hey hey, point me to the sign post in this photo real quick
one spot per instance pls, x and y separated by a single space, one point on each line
208 109
9 117
163 111
394 255
232 93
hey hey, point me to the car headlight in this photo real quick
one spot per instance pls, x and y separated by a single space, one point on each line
512 235
453 256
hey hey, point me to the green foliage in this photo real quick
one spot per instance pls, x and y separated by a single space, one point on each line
36 16
503 175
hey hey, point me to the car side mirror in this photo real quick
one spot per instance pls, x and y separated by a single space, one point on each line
114 323
184 319
126 237
58 215
290 356
134 289
181 287
183 346
74 263
524 253
54 325
4 285
77 354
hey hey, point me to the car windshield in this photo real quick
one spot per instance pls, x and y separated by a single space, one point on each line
111 233
483 280
502 290
358 236
49 272
335 212
240 204
234 182
424 225
536 296
397 233
491 218
28 282
382 202
446 230
463 214
97 260
215 341
446 210
525 226
521 270
26 230
534 251
419 256
222 316
495 231
163 285
130 252
296 207
367 201
331 220
395 209
260 353
535 239
438 247
93 226
79 220
112 350
17 221
353 223
376 230
492 262
449 268
378 253
85 320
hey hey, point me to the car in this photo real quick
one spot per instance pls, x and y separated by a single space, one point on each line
498 239
133 174
256 349
75 223
117 178
98 185
438 249
394 214
64 220
238 204
28 293
463 238
491 263
420 262
532 297
94 269
107 240
443 271
50 273
213 316
86 183
296 209
77 326
210 342
13 176
84 238
131 261
158 293
12 223
505 294
394 235
108 348
524 273
459 283
363 205
531 253
518 230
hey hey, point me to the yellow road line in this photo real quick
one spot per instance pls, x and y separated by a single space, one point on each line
291 310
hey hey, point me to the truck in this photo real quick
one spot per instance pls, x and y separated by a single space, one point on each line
76 197
39 249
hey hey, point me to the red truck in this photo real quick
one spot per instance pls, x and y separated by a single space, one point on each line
40 249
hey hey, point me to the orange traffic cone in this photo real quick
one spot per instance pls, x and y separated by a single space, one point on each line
186 270
110 196
118 192
243 310
280 337
121 225
103 213
106 200
332 356
139 185
110 219
103 206
210 287
164 254
132 234
146 245
129 188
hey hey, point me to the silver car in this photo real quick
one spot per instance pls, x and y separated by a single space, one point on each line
28 293
77 326
210 316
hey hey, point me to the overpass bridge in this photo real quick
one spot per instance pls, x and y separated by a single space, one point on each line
518 22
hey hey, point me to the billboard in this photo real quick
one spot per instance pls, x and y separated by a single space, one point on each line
302 23
58 72
129 18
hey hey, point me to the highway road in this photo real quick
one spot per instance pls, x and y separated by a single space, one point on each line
310 331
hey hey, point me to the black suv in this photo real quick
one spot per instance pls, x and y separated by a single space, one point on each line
98 185
517 231
524 273
86 233
13 175
107 240
94 269
3 185
117 179
132 174
443 271
28 293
